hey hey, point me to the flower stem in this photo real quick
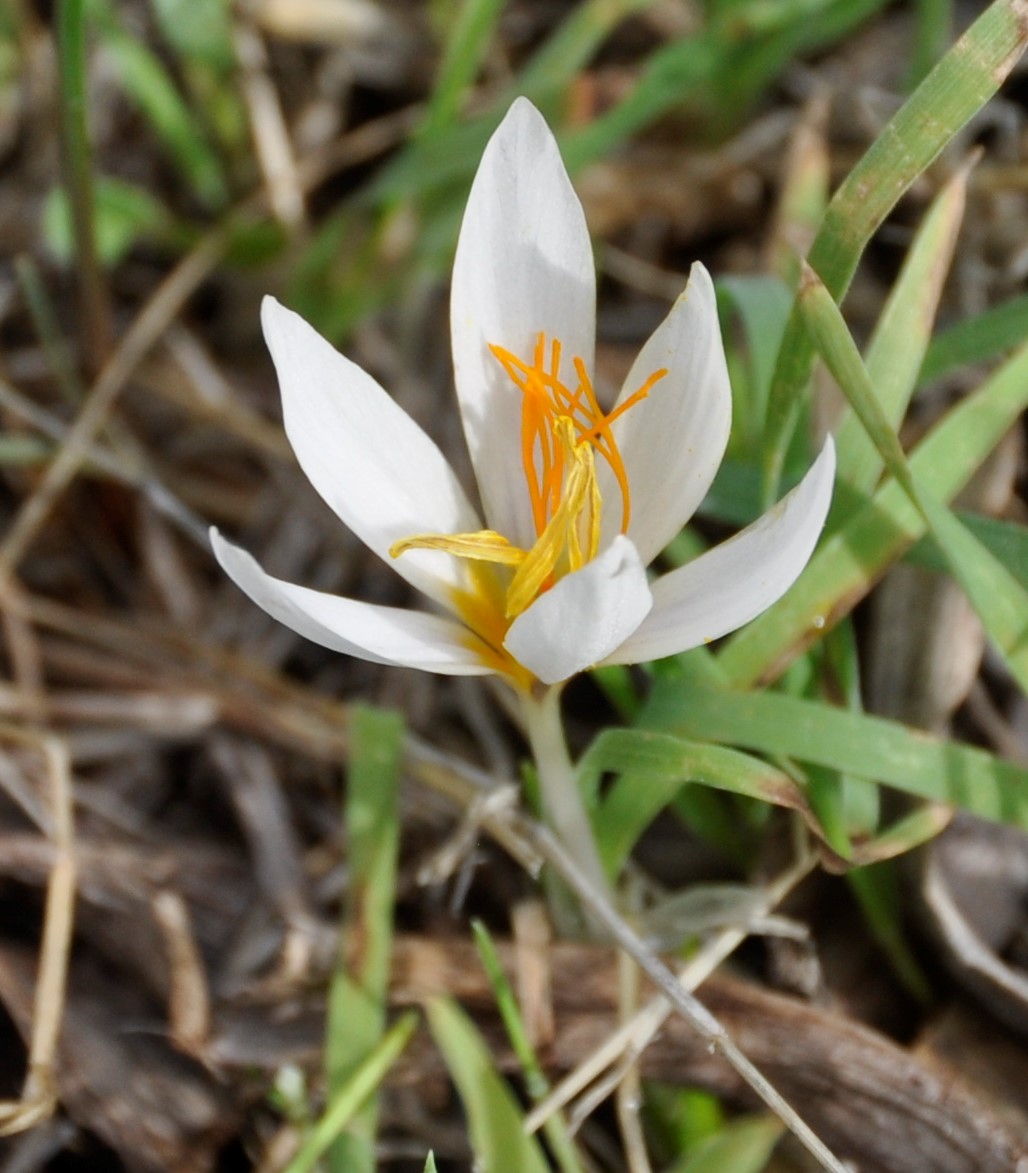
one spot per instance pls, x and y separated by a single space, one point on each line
562 806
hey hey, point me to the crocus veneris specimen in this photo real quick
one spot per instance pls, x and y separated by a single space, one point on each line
577 500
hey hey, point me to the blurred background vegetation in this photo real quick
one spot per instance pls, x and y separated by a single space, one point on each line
216 798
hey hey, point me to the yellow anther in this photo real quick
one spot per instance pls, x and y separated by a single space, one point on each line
562 428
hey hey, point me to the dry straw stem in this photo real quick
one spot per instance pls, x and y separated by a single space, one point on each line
629 1041
534 841
38 1098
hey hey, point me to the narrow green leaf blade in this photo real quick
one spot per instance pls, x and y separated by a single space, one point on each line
869 747
955 90
1000 601
495 1121
846 565
359 990
346 1100
901 337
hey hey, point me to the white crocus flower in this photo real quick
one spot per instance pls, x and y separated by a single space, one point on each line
577 501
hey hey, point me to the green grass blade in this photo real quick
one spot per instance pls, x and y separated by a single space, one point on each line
847 564
933 32
901 337
652 767
346 1101
877 891
1000 601
978 339
735 62
1005 540
78 179
835 344
869 747
763 305
536 1083
743 1146
359 990
495 1121
146 81
470 32
955 90
568 50
997 597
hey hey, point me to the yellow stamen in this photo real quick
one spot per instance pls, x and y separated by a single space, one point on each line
484 546
562 428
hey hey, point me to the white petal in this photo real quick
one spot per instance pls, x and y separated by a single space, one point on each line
524 265
672 442
731 584
583 617
383 635
367 458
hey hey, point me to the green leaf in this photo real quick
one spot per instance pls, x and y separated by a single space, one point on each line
359 991
653 766
847 564
763 305
835 344
878 892
495 1122
1005 540
536 1083
743 1146
999 600
955 90
346 1100
470 32
902 334
148 83
976 340
198 30
868 747
123 215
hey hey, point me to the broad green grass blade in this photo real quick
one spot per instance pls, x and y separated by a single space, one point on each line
849 562
979 339
860 808
1005 540
653 766
495 1121
1000 601
536 1083
359 990
869 747
346 1101
430 1166
955 90
471 29
901 337
743 1146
